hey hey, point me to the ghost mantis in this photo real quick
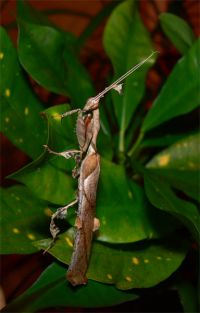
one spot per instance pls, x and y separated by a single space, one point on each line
87 171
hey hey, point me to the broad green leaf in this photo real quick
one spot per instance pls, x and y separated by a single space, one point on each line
134 266
52 290
181 92
127 42
46 181
20 119
49 176
23 220
61 132
124 212
180 165
183 180
183 155
178 31
48 55
162 197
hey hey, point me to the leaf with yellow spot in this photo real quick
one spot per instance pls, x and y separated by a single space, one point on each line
179 165
16 97
113 264
46 181
22 220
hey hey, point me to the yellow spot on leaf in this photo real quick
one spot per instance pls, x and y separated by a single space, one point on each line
164 160
130 195
109 276
21 140
135 261
17 198
16 230
146 261
7 119
192 165
150 235
26 111
128 278
159 258
7 92
103 220
56 116
69 242
1 55
31 236
168 259
48 212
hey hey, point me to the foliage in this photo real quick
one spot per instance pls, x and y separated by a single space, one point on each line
146 229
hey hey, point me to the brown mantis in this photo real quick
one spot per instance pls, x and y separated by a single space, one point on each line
87 170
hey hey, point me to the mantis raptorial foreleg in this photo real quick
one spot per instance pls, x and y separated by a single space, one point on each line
66 154
59 214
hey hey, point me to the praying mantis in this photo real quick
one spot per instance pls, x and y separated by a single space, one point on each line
87 170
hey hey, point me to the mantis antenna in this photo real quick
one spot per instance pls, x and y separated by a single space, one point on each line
120 79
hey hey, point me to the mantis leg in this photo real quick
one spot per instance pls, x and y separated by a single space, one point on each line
67 113
59 214
66 154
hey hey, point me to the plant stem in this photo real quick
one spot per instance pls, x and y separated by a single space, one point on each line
134 149
121 140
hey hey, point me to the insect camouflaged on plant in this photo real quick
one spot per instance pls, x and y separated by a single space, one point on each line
87 170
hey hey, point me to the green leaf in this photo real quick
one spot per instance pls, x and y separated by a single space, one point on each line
49 176
127 42
20 120
61 134
178 31
180 165
162 197
46 181
183 155
127 266
179 95
124 212
48 55
23 220
52 290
